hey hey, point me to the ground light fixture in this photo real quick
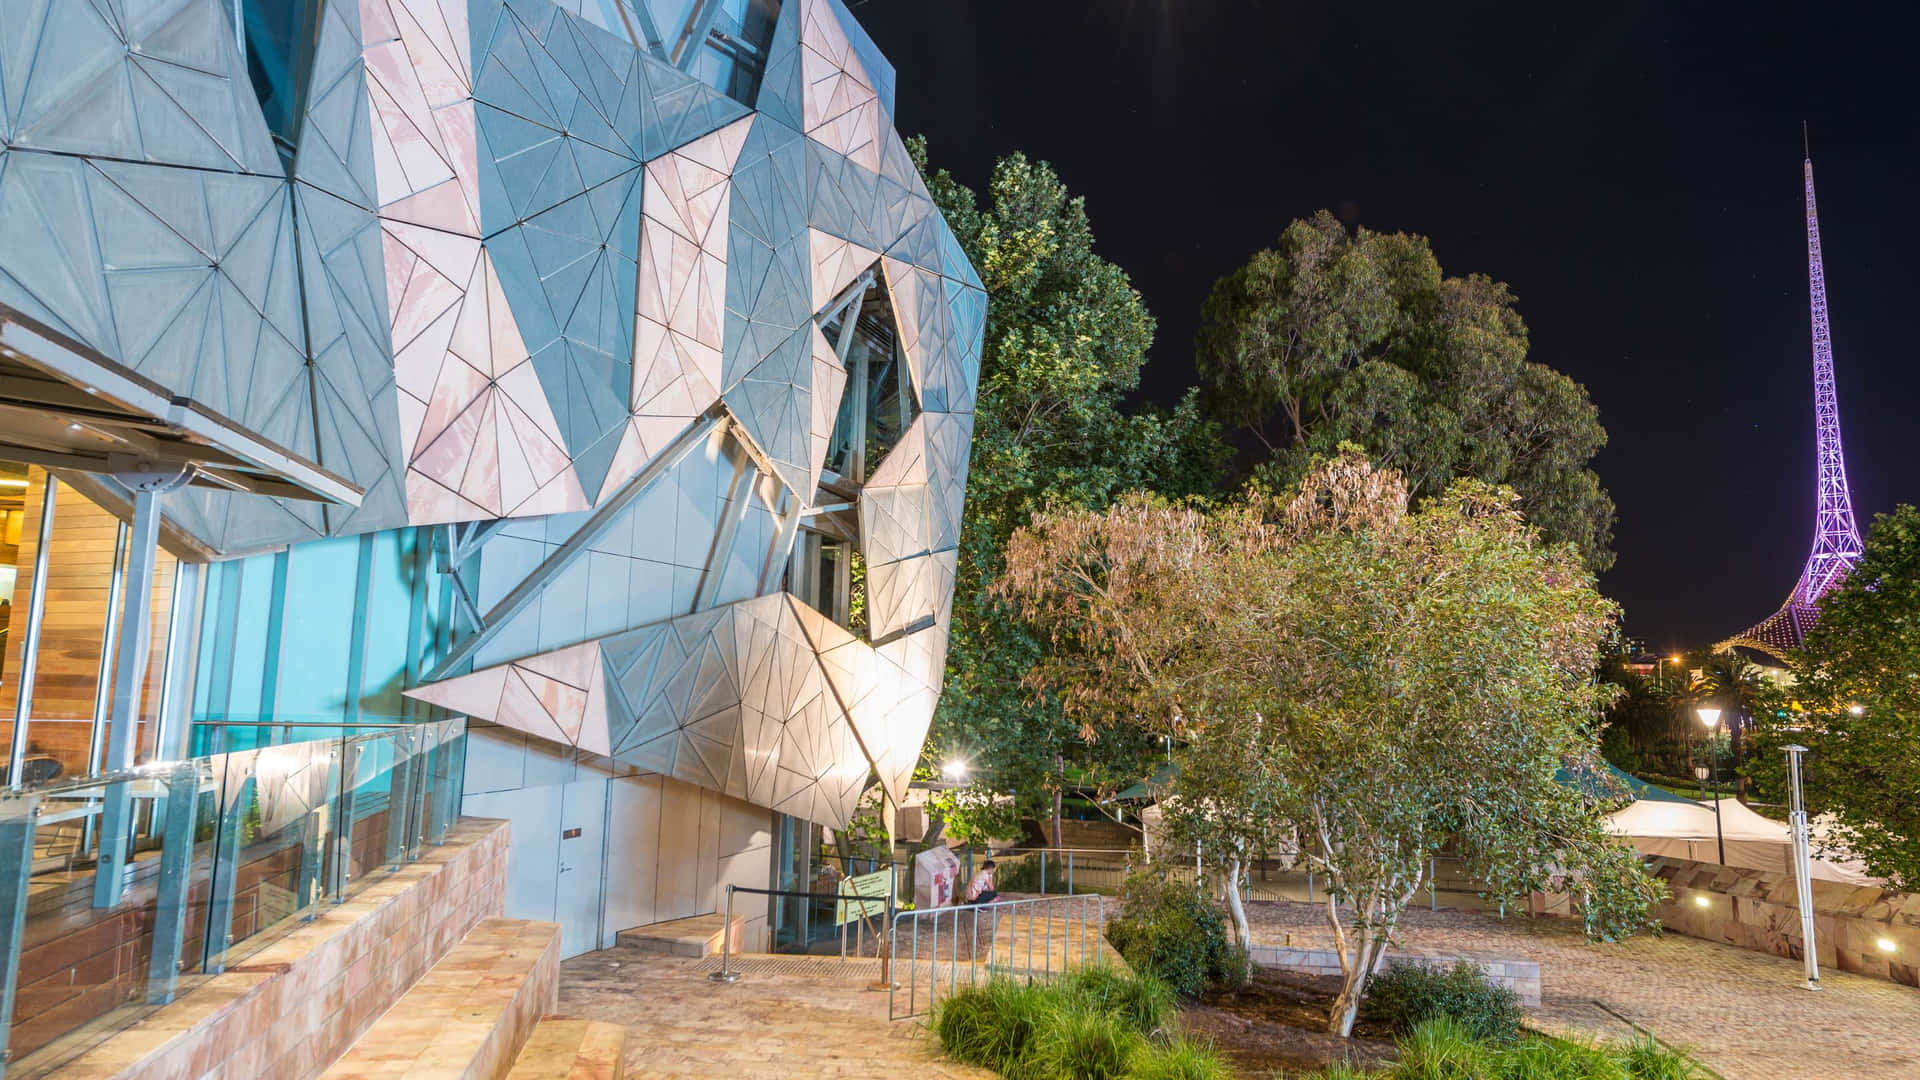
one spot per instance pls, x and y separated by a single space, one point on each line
1702 901
1885 945
1710 716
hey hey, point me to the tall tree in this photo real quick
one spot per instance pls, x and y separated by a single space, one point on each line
1854 702
1066 336
1338 336
1381 680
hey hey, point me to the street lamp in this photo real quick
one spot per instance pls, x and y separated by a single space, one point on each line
1710 716
1802 867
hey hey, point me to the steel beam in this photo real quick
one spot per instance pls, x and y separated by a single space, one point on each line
528 590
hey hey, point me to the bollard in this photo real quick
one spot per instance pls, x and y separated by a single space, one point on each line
726 974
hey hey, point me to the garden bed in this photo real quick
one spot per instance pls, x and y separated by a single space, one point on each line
1278 1021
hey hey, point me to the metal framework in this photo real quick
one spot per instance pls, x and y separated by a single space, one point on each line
1836 539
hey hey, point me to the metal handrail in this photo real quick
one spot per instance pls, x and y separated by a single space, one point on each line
1073 904
726 974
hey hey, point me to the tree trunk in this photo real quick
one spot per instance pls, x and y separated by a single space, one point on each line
1234 907
1060 767
1346 1004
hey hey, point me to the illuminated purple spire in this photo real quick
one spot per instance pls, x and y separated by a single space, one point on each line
1836 540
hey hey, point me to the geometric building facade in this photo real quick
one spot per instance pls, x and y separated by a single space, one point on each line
599 370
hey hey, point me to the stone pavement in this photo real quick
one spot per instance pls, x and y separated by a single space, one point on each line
1744 1014
791 1017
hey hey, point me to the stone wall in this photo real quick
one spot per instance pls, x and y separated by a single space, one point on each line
293 1007
1519 975
1754 909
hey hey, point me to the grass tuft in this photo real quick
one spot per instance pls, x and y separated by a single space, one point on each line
1081 1043
1178 1059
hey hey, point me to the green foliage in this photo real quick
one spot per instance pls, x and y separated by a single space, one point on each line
1092 1024
1023 875
1066 336
1405 994
1617 747
1648 1060
993 1026
1146 1003
1358 337
1178 1059
1348 675
1855 704
1440 1049
1172 932
1079 1042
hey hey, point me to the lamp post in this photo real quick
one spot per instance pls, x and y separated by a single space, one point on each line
1710 716
1802 868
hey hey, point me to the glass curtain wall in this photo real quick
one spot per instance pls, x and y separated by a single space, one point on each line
295 643
68 699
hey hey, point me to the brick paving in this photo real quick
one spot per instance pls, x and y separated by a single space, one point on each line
1744 1014
809 1018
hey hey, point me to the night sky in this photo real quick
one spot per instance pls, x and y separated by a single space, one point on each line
1632 171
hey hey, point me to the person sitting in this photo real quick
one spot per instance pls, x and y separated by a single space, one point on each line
980 890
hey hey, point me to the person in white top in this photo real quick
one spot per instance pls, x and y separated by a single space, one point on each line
980 890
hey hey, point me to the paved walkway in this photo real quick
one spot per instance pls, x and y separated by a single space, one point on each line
794 1017
1742 1013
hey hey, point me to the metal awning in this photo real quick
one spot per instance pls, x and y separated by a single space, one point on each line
65 406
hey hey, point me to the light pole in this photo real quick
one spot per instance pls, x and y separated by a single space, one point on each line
1802 867
1710 716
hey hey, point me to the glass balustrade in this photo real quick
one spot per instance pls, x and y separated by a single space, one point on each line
119 893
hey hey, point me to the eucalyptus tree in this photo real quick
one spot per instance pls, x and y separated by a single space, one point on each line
1378 680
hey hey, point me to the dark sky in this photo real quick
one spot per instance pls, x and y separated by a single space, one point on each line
1632 170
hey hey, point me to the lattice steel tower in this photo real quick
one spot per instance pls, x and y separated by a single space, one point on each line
1836 540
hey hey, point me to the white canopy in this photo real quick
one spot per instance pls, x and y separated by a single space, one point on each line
1686 831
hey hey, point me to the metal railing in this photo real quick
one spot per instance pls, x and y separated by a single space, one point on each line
862 923
182 869
1036 938
1060 869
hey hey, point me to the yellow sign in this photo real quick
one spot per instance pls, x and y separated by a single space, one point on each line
866 897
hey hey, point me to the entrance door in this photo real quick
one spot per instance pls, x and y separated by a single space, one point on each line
583 815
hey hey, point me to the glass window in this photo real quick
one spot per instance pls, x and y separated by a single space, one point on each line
281 36
730 39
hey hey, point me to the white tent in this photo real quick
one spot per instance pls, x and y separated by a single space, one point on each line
1685 830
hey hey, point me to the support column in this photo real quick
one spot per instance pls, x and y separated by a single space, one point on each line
136 634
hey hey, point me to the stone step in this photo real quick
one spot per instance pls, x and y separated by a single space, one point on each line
470 1016
566 1049
697 936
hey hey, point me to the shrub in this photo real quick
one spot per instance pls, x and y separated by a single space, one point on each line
1093 1024
1558 1059
1023 875
1648 1060
992 1026
1077 1042
1178 1059
1174 933
1404 995
1442 1049
1144 1002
